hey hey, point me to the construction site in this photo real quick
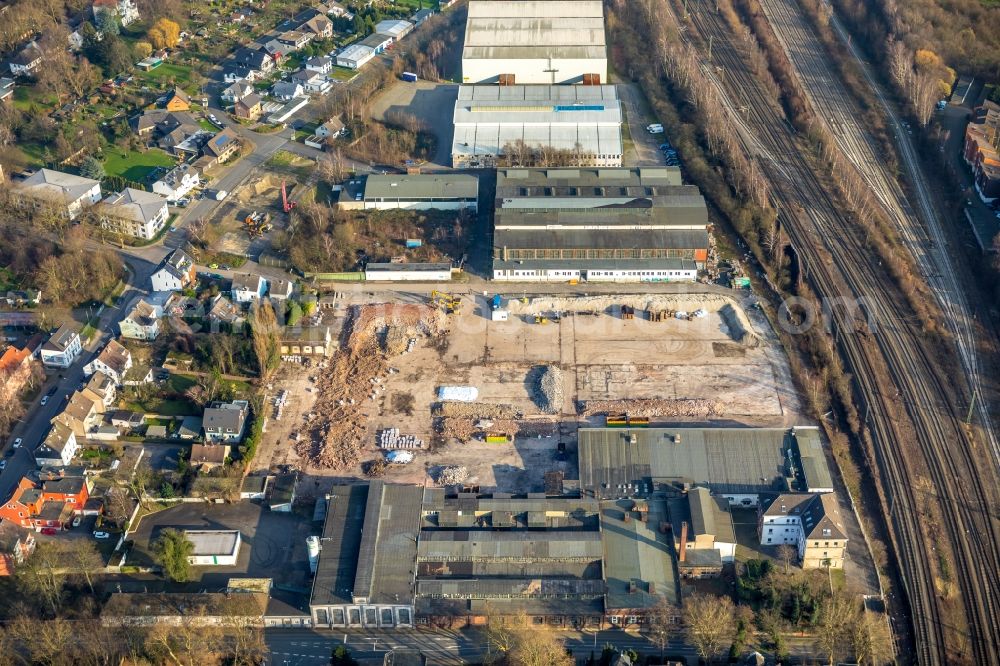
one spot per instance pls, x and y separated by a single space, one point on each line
489 390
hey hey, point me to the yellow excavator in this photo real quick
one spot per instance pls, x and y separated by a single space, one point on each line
451 304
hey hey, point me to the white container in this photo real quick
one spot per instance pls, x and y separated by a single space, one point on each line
499 315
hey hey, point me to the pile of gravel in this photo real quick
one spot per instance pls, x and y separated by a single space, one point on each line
549 391
452 475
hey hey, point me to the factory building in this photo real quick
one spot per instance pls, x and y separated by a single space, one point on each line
535 41
411 191
537 125
219 548
739 464
598 225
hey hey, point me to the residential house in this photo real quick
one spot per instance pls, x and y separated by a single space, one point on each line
277 50
16 545
248 287
154 121
248 108
335 9
74 490
83 413
236 92
205 457
280 289
142 323
58 448
177 100
69 194
126 10
319 26
982 149
175 272
178 140
394 28
810 522
321 64
103 387
222 147
287 90
421 16
50 504
114 361
26 61
295 38
18 370
135 213
225 421
237 73
60 350
355 56
331 129
311 81
223 310
178 182
126 420
6 89
254 60
22 298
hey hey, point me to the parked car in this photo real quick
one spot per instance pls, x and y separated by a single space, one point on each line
52 391
17 443
49 530
225 267
77 520
45 400
3 464
101 535
183 202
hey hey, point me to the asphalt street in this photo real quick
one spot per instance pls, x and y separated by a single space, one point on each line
307 647
33 429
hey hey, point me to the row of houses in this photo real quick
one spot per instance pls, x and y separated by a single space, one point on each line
982 149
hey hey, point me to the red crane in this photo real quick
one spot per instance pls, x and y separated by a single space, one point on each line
286 205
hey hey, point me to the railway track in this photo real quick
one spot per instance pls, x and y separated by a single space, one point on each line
911 408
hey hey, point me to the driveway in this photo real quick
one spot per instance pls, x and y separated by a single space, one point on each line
645 146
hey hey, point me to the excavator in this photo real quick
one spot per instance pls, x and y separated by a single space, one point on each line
451 304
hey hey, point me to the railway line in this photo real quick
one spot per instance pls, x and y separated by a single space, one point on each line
910 407
977 553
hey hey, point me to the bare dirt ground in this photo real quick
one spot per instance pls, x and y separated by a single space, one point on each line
722 368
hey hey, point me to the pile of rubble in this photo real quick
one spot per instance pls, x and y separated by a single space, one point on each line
335 428
452 475
463 429
478 410
548 391
655 407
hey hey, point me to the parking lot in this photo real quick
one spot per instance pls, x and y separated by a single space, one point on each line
433 103
274 544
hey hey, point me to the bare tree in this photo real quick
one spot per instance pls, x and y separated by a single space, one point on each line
786 555
871 640
710 623
839 614
660 624
83 558
266 338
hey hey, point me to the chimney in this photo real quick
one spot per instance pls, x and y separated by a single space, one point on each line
631 586
677 438
684 542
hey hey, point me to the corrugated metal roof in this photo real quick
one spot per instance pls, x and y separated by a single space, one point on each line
448 545
334 580
538 588
727 460
534 8
668 264
673 239
636 552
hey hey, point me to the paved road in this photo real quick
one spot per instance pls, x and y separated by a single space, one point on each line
303 647
35 426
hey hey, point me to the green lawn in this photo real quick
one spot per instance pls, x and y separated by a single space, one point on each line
165 407
342 73
207 125
180 383
159 76
135 165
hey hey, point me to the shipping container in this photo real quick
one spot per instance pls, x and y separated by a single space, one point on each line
499 439
413 243
410 76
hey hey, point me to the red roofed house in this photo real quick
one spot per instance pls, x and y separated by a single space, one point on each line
52 505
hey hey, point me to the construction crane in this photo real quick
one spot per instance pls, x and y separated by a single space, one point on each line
451 304
286 205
